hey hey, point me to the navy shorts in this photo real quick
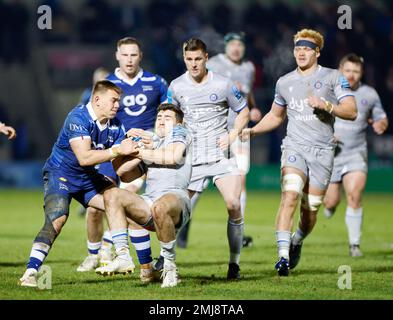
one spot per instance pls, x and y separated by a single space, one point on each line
107 170
81 189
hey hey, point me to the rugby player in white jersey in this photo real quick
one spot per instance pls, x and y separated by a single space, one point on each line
232 64
311 96
205 97
165 206
350 162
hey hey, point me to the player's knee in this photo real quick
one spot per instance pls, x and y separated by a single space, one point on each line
290 198
293 183
56 213
311 202
330 202
233 204
159 210
111 197
354 199
59 223
94 214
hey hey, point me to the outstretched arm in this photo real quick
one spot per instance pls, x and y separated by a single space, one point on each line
88 157
273 119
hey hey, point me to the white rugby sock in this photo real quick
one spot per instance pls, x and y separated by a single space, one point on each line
283 242
298 237
353 220
168 250
120 241
235 229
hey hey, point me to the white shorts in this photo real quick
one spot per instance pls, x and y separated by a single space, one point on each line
137 183
348 163
185 203
316 163
216 170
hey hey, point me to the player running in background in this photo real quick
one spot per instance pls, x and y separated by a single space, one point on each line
350 161
165 206
242 72
90 135
142 93
205 98
311 96
8 131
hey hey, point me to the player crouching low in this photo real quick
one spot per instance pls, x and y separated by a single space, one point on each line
165 206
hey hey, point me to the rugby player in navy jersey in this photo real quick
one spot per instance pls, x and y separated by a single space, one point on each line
90 135
142 94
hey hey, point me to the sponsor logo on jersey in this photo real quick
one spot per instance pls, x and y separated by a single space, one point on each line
318 85
213 97
62 186
147 88
135 105
97 146
291 158
364 102
148 78
297 105
236 92
77 127
344 82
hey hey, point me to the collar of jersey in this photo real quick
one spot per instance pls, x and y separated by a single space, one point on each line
93 115
209 77
309 75
130 82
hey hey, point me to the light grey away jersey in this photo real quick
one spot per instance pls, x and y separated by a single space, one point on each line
243 73
352 134
205 108
163 178
306 125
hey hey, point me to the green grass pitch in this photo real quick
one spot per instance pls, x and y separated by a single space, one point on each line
203 264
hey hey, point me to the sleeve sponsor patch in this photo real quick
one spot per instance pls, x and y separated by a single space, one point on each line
344 82
236 93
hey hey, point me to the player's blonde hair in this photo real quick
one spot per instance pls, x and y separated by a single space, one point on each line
312 34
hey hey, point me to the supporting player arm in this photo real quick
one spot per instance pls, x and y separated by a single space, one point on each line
90 157
170 155
273 119
241 122
255 113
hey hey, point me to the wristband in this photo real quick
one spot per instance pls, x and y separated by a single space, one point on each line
330 106
113 153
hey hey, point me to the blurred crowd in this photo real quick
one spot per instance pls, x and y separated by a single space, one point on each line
163 25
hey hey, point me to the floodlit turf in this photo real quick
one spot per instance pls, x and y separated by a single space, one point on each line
203 265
